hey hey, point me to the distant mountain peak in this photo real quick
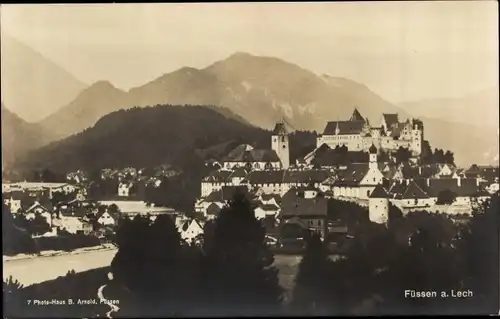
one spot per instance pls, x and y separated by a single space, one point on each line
240 54
33 85
102 84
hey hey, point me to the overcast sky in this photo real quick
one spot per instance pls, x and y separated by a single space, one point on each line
401 50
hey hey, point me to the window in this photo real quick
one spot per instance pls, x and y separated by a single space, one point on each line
284 146
368 193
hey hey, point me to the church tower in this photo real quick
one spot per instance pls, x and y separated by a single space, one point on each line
373 157
280 144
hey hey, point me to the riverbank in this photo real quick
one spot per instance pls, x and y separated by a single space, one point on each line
53 253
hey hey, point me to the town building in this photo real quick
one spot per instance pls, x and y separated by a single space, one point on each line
307 206
358 135
423 194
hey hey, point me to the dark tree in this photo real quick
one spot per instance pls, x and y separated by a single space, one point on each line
402 155
39 225
427 155
449 158
238 277
439 156
15 239
149 263
446 197
425 260
383 156
479 248
348 213
313 293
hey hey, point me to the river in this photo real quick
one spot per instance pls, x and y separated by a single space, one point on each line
35 270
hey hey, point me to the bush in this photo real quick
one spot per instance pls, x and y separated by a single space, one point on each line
446 197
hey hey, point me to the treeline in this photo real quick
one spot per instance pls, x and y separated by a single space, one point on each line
438 156
18 232
232 273
143 137
386 269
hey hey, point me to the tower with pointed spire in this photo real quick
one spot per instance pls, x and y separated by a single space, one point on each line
280 143
373 156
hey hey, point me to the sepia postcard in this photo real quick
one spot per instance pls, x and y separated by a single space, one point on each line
250 159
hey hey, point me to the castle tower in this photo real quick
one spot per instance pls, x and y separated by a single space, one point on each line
378 205
280 144
417 136
373 157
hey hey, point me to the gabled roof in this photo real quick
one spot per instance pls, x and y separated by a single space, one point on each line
468 187
113 215
391 119
35 205
218 176
225 193
287 176
304 207
425 188
280 129
267 197
344 127
352 175
379 192
356 116
244 153
240 172
413 191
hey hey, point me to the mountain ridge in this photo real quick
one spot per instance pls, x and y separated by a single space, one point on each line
260 91
31 81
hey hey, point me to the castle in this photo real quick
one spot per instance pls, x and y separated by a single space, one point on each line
368 181
358 135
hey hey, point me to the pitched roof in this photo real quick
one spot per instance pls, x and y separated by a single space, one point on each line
35 205
280 129
239 172
304 207
468 187
333 157
379 192
213 209
351 175
218 176
356 116
267 197
287 176
113 215
414 191
425 188
391 119
245 153
344 127
226 193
